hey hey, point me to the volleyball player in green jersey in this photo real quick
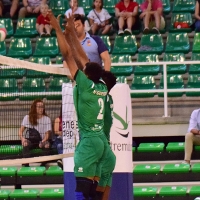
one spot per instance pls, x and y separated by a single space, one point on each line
91 94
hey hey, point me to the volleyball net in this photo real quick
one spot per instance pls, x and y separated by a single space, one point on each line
21 82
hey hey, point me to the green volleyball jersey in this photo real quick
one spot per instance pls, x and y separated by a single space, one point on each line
89 99
108 119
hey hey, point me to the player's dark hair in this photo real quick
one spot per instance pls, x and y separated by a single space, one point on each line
79 17
94 71
93 6
109 78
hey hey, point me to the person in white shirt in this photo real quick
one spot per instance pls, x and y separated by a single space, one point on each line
193 135
74 9
99 18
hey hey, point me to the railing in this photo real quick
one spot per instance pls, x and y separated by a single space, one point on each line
164 90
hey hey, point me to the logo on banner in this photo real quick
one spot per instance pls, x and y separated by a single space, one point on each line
124 124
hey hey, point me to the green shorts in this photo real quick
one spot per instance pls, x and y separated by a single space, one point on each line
89 153
107 168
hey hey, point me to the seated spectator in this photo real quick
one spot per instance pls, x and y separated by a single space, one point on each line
74 9
10 6
31 7
126 11
193 135
197 16
38 120
58 143
99 18
152 16
42 24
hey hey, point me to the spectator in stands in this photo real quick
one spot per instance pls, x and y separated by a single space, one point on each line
126 12
193 135
99 18
197 16
10 6
42 24
93 46
31 7
37 119
152 16
58 143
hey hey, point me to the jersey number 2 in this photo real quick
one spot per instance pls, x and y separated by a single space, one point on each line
101 104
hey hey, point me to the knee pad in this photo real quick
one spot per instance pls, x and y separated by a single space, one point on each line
83 185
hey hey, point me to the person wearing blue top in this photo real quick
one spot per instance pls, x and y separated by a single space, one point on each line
193 135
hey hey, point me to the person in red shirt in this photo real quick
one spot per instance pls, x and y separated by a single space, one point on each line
152 16
126 11
42 24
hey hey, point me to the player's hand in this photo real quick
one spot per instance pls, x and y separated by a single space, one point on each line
69 27
52 20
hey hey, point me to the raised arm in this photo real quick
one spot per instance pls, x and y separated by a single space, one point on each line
63 45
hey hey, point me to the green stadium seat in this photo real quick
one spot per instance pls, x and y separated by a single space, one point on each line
59 60
194 191
176 168
149 69
20 47
193 82
196 43
195 168
181 17
144 192
151 147
183 6
143 82
147 169
197 148
24 194
59 6
175 69
62 22
195 68
8 171
125 45
8 23
133 149
109 5
12 73
175 146
175 191
87 5
106 41
121 79
54 171
177 43
31 171
41 60
121 70
56 193
26 27
173 82
10 149
55 84
166 6
154 42
4 194
46 47
3 48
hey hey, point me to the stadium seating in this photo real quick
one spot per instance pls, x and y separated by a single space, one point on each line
59 6
55 84
26 27
166 6
153 44
109 5
143 83
177 43
175 69
125 45
193 82
24 194
59 60
173 82
87 5
150 69
4 194
8 23
12 73
175 146
20 47
121 70
41 60
3 48
196 43
194 68
181 17
141 193
183 6
107 42
46 47
50 194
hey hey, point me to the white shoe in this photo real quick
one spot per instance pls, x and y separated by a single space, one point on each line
128 31
120 32
155 30
87 26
